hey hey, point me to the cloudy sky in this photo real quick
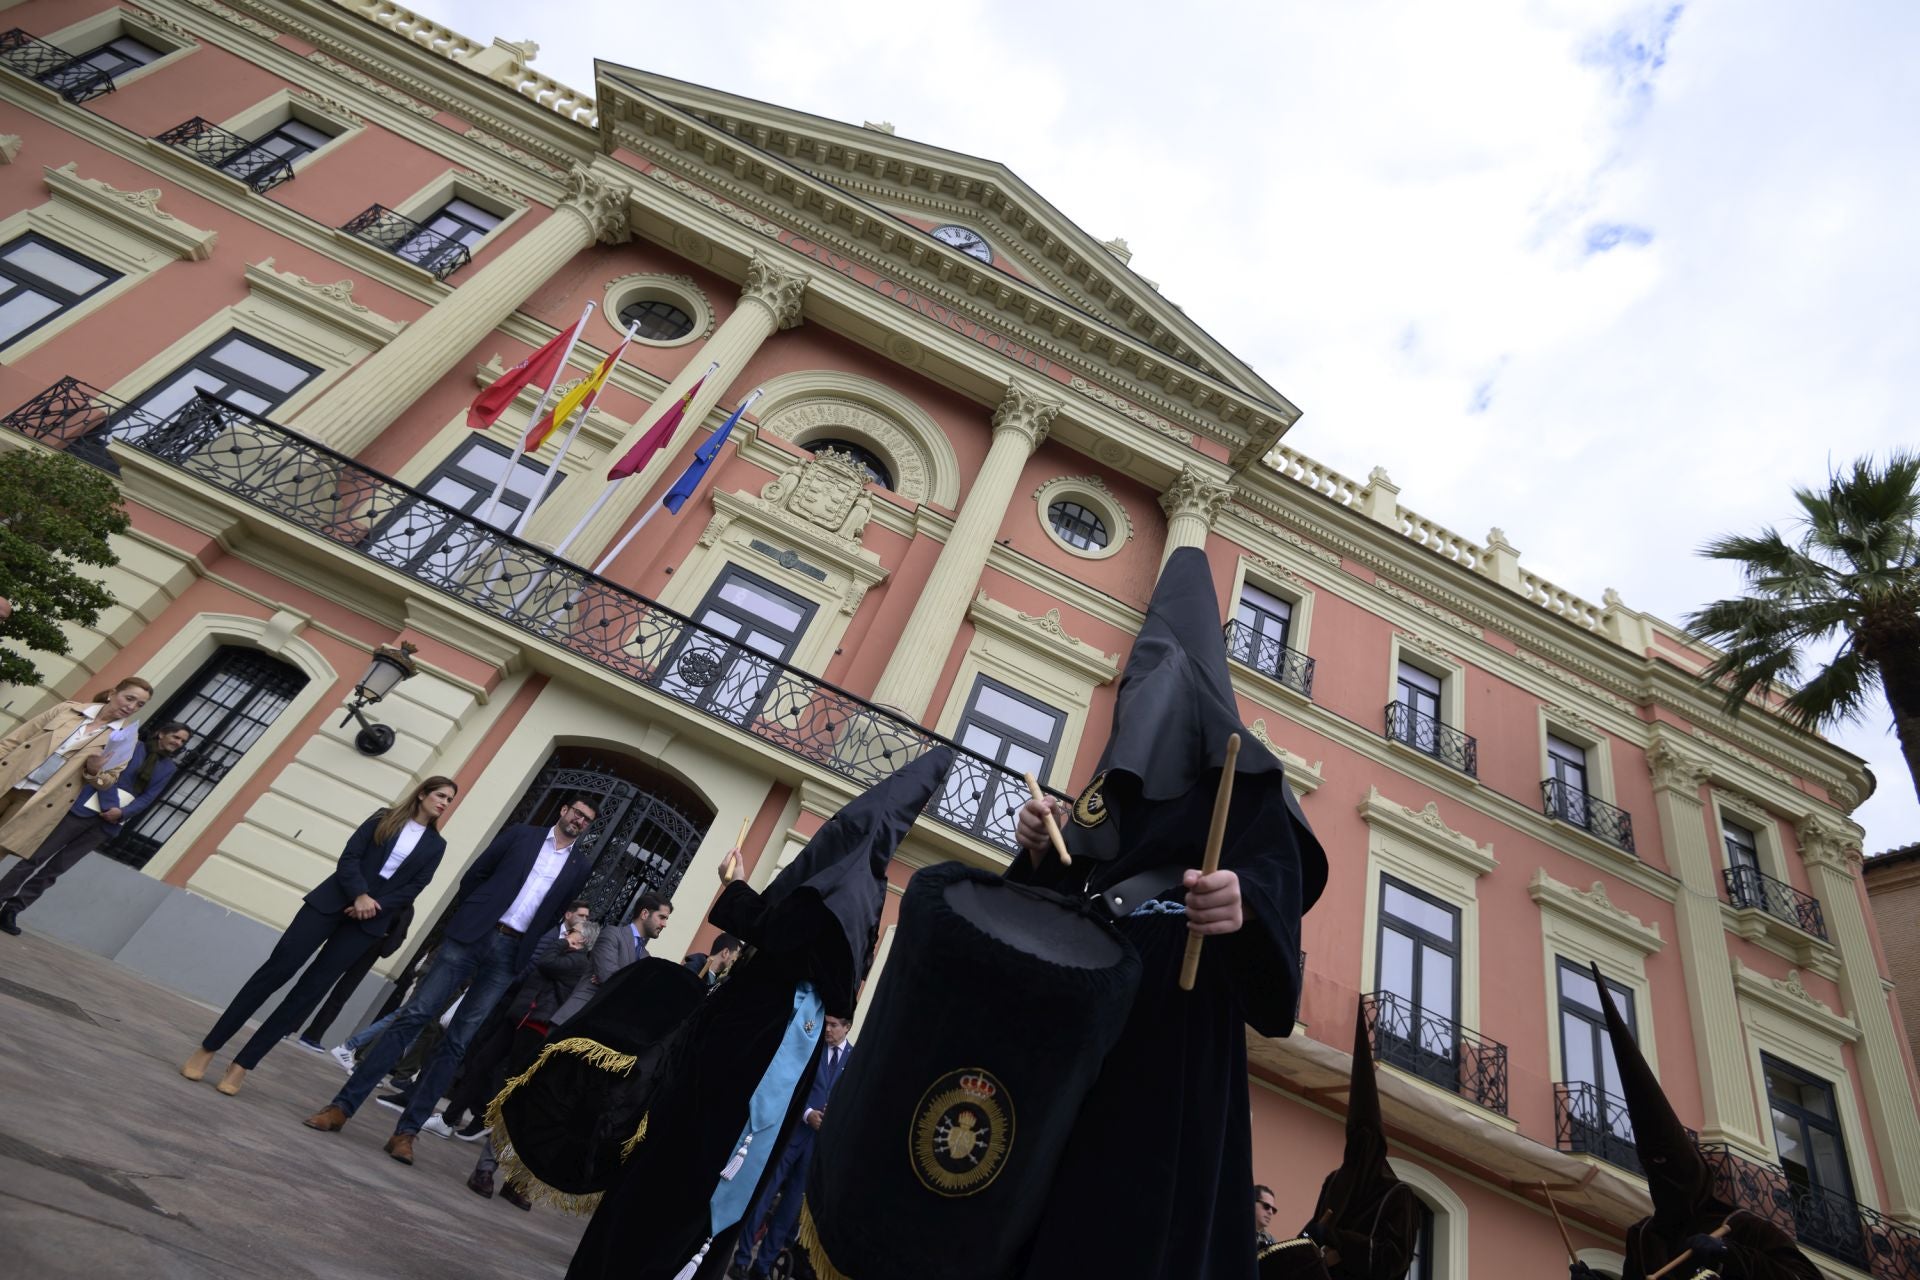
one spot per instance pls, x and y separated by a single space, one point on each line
1611 276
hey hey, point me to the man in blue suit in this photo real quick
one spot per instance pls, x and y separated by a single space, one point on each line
95 818
511 897
789 1177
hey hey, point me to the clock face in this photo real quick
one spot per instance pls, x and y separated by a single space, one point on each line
966 241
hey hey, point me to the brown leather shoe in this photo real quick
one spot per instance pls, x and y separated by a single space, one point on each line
514 1196
400 1147
329 1120
480 1182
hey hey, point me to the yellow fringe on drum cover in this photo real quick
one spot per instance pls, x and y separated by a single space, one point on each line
517 1174
809 1240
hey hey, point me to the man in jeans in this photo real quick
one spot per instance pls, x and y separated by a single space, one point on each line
510 899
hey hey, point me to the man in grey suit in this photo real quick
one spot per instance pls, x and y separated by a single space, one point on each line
619 946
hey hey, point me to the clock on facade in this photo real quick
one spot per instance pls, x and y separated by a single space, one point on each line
966 241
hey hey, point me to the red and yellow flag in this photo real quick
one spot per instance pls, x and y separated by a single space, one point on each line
563 408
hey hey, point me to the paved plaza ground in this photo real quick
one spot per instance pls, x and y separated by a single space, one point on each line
112 1165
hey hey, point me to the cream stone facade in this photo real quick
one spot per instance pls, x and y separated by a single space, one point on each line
942 519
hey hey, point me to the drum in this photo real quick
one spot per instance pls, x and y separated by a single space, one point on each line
997 1005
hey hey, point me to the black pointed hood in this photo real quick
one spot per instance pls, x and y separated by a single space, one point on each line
1677 1174
1372 1222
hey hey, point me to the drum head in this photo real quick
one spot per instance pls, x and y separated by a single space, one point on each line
1035 923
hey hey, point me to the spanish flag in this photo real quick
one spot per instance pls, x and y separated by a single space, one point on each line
563 409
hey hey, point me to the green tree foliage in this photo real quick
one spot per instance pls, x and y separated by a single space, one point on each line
55 516
1850 574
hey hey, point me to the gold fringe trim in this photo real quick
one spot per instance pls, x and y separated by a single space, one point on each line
809 1240
516 1174
639 1136
1298 1242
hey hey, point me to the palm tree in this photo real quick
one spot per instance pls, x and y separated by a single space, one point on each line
1853 576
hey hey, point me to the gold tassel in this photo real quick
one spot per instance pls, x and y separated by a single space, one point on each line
639 1136
515 1173
809 1240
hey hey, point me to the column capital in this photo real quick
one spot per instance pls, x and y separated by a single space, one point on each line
1194 494
777 287
1675 770
1028 413
1828 844
601 203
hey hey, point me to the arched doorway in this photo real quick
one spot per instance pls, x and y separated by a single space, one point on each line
646 831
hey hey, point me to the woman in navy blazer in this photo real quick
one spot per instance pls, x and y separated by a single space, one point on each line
387 862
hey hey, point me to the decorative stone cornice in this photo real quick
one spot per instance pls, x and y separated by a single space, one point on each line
1787 995
1675 770
1126 408
135 211
1595 910
10 144
330 304
1426 829
1304 778
378 88
778 288
1045 635
603 204
1194 493
1026 413
1432 648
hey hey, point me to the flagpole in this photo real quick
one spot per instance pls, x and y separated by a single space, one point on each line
641 523
599 504
513 459
579 419
606 494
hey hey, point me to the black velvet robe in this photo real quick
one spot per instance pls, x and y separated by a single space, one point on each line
1757 1250
655 1216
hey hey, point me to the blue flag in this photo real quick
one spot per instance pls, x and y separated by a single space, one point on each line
702 459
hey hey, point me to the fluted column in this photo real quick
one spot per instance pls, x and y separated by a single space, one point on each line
1191 504
770 302
354 411
1832 858
1019 425
1719 1043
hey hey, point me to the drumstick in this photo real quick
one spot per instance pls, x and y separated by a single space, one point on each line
1559 1222
1053 828
1716 1233
1216 834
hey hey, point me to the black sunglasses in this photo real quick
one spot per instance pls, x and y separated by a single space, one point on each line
1270 1208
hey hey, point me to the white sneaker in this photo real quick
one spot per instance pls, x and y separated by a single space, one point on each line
344 1056
437 1127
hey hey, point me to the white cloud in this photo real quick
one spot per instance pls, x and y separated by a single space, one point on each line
1387 207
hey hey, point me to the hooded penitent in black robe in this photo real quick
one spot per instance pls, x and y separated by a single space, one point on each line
1157 1178
815 923
1685 1203
1365 1216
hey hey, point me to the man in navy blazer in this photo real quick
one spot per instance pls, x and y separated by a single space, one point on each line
94 819
789 1178
511 897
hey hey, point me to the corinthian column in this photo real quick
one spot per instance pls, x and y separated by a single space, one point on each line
353 412
1191 506
770 302
1019 425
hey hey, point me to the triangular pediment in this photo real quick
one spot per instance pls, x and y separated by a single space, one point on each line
925 188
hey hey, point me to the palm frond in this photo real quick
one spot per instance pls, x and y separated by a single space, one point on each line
1837 693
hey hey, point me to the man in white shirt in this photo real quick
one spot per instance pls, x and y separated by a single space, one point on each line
512 896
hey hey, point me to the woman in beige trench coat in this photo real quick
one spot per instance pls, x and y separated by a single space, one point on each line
78 731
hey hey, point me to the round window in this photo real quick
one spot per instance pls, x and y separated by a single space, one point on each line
658 320
876 466
1078 526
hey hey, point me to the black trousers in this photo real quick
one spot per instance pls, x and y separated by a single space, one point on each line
337 998
333 939
485 1062
72 838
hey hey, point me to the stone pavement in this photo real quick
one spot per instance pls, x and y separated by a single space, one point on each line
112 1165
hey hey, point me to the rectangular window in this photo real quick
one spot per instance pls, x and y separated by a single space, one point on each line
428 541
1567 771
40 279
1419 698
729 674
1596 1105
1419 969
1813 1156
1264 614
458 224
238 370
281 145
1260 637
1743 847
1014 730
1421 1265
120 55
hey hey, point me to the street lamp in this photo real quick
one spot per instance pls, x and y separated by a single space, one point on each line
389 667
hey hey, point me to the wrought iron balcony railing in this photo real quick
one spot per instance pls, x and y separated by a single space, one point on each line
1576 808
305 484
1437 1050
404 238
1833 1224
52 66
1588 1119
1441 741
1269 657
1747 887
228 152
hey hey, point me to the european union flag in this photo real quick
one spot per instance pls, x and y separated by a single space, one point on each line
702 459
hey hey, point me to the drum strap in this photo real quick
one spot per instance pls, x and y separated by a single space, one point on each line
1124 898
